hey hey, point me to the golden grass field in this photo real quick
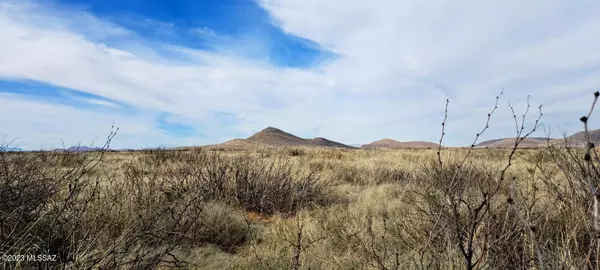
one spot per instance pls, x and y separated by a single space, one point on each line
303 208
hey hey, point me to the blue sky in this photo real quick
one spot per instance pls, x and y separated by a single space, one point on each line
185 72
198 24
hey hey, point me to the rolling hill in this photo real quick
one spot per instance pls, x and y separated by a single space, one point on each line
11 149
274 137
508 141
578 139
327 143
393 144
79 148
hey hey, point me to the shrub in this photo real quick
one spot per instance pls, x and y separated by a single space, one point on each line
295 152
88 220
276 187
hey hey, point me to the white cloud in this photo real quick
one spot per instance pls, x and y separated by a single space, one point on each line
397 62
39 125
204 32
100 102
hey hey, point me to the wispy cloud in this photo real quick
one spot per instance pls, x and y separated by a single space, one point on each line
204 32
100 102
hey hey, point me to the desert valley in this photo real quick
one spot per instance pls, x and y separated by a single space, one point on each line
278 201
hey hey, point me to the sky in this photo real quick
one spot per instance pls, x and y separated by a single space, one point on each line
194 72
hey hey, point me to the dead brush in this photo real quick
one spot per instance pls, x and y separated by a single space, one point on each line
295 152
144 221
43 205
572 185
276 187
465 208
266 187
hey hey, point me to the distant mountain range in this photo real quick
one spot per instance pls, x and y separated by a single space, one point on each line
11 149
70 149
273 137
576 140
78 148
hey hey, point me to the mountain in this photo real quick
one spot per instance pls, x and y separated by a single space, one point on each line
11 149
275 137
393 144
82 149
578 139
509 142
326 143
79 148
488 142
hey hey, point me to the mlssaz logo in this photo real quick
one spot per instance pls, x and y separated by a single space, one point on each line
42 258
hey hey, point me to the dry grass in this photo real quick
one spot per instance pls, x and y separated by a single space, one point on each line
351 209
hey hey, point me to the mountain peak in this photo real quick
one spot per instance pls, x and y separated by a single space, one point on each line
271 129
276 137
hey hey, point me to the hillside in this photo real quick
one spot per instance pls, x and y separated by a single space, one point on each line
488 142
11 149
326 143
506 141
393 144
510 142
578 139
79 148
274 137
